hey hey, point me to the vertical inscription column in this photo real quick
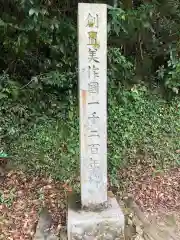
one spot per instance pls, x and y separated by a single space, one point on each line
92 32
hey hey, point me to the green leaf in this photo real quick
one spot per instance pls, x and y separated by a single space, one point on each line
2 96
2 23
31 11
3 155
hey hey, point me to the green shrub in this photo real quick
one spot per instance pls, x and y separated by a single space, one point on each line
171 74
38 84
143 124
139 124
39 43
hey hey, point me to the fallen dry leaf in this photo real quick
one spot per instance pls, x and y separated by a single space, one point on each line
23 198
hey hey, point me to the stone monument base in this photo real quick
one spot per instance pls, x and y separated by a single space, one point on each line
107 224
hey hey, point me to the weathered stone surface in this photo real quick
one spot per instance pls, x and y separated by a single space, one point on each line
92 32
63 234
141 227
43 227
107 224
94 215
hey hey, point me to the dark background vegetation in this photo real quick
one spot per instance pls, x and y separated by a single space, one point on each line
38 84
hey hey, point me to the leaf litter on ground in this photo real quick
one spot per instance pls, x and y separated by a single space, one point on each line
157 193
22 197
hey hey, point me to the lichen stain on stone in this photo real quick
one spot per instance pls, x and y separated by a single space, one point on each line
100 232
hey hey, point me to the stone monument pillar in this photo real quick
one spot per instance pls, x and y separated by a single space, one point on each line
96 215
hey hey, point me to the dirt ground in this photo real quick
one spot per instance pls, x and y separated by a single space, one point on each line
154 226
157 197
157 204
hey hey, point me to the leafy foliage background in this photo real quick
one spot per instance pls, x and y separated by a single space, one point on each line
38 83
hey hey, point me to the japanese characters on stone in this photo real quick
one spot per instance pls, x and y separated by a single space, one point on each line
94 147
